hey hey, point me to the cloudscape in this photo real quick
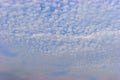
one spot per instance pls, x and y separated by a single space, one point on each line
59 39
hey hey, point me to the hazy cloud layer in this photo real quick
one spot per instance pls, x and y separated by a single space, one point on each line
59 39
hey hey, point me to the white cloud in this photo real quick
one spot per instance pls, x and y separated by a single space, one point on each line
83 31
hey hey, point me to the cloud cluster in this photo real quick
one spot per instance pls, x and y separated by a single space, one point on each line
59 39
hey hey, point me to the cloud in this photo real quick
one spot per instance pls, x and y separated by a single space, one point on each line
54 39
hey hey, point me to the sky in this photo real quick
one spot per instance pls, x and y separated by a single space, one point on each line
59 39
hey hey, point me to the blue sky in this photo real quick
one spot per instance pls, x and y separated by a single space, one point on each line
59 39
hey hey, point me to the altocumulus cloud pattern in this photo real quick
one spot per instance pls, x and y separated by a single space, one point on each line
59 39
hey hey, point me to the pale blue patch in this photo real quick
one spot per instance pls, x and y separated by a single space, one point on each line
6 52
62 73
